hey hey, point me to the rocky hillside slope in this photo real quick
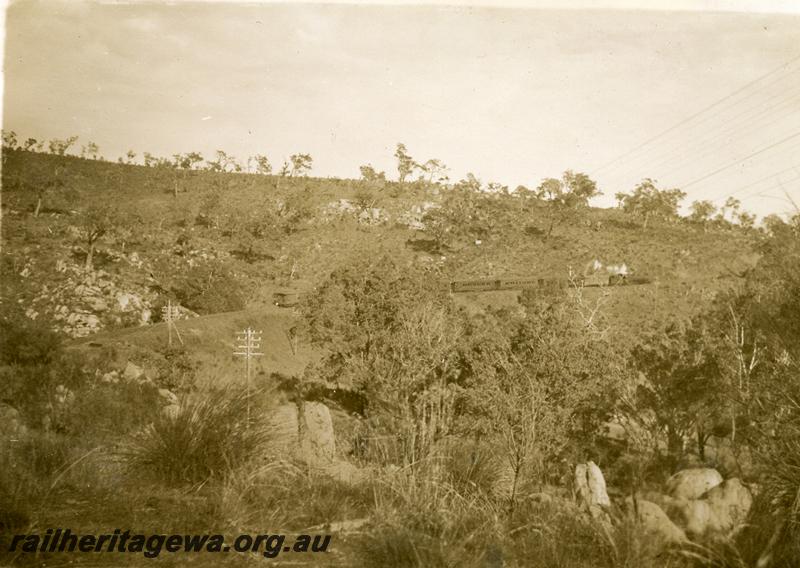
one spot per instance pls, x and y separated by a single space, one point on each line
224 242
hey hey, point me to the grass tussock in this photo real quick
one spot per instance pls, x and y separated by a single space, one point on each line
420 521
210 436
286 495
772 535
29 468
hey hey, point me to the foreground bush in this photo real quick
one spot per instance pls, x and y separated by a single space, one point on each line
772 536
289 496
424 522
208 437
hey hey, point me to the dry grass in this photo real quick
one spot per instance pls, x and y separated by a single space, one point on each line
207 438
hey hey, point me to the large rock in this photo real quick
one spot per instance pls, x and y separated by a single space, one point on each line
306 432
693 483
720 513
695 515
655 522
591 486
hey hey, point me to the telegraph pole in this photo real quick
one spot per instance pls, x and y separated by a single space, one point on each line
248 343
169 314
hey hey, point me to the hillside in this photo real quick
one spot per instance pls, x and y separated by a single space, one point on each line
267 233
425 412
210 340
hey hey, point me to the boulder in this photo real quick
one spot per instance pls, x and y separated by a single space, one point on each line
720 513
696 516
317 436
125 302
306 432
168 397
730 502
591 487
655 522
693 483
11 425
132 372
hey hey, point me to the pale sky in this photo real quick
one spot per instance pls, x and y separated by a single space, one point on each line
513 94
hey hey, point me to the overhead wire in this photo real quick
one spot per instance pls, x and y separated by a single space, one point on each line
740 160
740 189
720 139
702 111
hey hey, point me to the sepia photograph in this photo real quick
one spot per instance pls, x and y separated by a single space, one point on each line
400 284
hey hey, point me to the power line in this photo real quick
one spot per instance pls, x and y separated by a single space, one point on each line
680 144
698 113
762 193
730 165
713 162
710 144
740 189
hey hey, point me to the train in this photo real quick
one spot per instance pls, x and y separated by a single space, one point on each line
598 279
291 298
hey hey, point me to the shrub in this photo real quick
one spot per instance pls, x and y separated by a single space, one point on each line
31 388
209 289
284 494
24 341
773 530
19 488
103 412
208 437
422 522
27 468
177 369
474 467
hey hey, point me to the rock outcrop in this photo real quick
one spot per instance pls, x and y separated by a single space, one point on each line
692 483
591 487
721 512
655 522
85 301
305 431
